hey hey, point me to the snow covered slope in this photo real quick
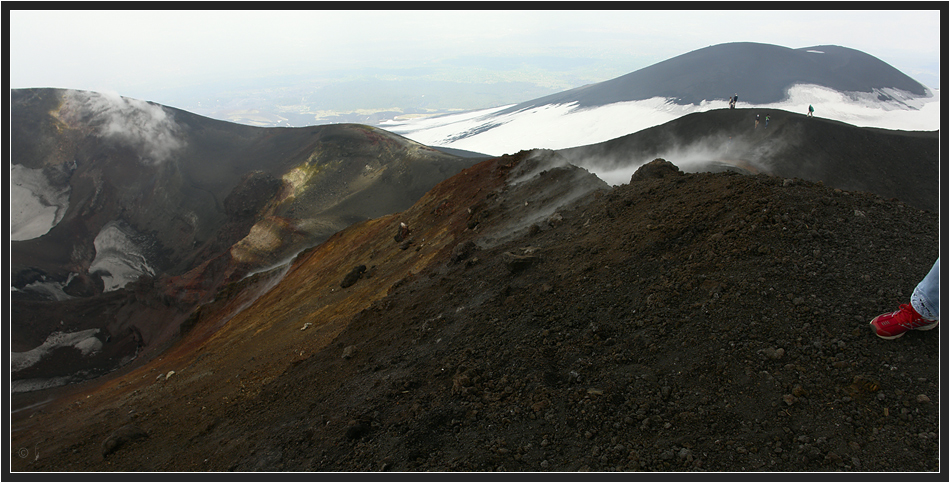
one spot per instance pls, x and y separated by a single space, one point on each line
842 84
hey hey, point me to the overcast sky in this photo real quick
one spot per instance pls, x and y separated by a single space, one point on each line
135 53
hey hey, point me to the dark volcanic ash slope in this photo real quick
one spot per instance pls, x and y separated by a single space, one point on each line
161 207
681 322
760 73
894 164
183 181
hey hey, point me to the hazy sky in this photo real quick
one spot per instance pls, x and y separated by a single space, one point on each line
139 53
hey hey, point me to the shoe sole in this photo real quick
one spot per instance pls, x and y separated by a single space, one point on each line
892 337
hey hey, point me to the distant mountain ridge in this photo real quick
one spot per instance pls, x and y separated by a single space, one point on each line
758 73
841 83
893 164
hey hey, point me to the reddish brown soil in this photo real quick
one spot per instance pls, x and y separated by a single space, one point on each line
682 322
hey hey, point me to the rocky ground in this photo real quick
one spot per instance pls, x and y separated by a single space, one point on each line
681 322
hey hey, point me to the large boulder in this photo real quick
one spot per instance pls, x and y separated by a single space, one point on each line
658 168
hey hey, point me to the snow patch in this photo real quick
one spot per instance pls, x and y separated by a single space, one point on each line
28 385
36 206
52 290
560 126
85 341
882 108
119 256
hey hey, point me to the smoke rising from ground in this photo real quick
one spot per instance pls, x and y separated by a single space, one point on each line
145 127
538 187
709 153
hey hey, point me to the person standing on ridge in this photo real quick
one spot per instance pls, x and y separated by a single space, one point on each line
766 120
922 313
811 111
756 121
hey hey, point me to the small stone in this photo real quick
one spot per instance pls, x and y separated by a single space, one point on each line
120 437
354 276
684 453
923 399
774 354
517 263
349 351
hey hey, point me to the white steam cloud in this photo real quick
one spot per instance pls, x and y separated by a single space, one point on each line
708 153
145 127
541 185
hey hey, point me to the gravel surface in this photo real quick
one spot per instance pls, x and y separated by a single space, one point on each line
681 322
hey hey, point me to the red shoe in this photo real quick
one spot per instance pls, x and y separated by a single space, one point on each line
894 324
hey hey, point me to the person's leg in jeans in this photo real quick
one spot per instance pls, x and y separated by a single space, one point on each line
926 297
922 313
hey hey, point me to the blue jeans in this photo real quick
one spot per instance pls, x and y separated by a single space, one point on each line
926 297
